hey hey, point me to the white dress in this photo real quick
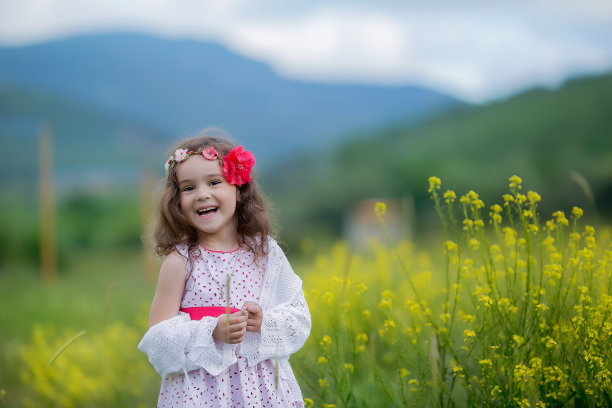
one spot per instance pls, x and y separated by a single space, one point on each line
241 375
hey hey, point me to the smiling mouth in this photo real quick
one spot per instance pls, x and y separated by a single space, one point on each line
207 211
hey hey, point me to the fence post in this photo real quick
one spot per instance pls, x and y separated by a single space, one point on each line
48 243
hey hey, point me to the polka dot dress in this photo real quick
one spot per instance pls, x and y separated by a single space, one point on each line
240 385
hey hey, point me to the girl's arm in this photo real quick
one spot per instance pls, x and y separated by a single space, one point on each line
169 292
176 344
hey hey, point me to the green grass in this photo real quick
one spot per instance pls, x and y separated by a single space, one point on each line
95 287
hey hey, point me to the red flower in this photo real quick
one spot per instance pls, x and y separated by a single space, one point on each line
237 166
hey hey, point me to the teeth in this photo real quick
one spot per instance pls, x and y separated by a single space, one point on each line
207 210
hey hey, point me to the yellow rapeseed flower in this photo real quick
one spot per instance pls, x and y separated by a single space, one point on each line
380 209
434 183
469 333
387 294
560 218
326 341
577 212
349 367
450 246
385 304
533 197
322 360
323 383
308 403
449 196
515 181
486 363
473 244
389 324
519 340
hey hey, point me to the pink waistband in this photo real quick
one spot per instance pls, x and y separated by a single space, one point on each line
197 313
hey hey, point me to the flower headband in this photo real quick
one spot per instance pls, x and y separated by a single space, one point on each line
237 164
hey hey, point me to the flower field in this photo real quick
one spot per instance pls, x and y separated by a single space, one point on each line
512 311
511 308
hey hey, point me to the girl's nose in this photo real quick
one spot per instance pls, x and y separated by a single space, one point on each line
203 193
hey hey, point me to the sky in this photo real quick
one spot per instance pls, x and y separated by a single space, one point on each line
476 50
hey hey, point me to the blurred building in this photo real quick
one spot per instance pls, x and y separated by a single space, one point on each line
362 224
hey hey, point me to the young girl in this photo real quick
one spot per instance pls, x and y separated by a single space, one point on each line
228 310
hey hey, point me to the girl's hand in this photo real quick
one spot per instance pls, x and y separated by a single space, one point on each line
231 333
254 316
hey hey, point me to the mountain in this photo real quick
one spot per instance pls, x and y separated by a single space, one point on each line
558 141
177 87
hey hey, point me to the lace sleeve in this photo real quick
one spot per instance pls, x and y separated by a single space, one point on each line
286 319
179 345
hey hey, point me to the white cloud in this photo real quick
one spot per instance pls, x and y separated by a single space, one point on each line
476 50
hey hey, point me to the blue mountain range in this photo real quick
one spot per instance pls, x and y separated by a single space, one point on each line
173 88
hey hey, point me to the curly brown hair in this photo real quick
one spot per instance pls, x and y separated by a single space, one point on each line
172 227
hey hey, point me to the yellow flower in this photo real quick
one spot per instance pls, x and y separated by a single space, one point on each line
366 314
486 363
496 208
518 339
308 403
469 333
515 181
450 246
387 294
560 218
473 244
403 372
349 367
361 288
449 196
549 342
385 304
389 324
362 337
434 183
380 208
413 381
323 383
577 212
326 341
533 197
322 360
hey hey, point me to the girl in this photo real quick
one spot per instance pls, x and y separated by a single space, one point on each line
228 310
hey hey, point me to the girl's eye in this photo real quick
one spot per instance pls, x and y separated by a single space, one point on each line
215 182
187 188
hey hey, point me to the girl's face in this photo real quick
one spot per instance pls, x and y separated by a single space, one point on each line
207 200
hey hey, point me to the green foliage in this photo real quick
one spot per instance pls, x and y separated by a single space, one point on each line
103 220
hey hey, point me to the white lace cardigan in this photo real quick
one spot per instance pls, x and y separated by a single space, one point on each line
180 345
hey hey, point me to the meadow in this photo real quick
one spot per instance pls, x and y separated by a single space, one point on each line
505 307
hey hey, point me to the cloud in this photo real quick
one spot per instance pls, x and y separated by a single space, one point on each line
476 50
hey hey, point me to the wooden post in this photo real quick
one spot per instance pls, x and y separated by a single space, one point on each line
147 186
48 243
